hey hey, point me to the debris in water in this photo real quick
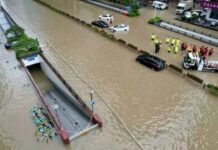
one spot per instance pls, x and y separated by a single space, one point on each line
44 127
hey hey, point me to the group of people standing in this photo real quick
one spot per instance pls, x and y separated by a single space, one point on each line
174 44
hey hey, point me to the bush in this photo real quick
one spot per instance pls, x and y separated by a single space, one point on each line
26 44
135 6
15 30
154 20
213 89
133 13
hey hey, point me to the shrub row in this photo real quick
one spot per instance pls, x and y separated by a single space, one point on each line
20 42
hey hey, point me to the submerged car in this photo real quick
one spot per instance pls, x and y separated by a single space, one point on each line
100 24
106 17
119 28
151 61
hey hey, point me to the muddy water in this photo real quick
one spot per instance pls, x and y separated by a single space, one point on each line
162 110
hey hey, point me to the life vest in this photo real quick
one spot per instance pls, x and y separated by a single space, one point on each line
176 49
169 49
156 41
167 40
173 41
177 42
153 36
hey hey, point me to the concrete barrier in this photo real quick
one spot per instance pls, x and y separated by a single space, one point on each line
144 52
195 78
123 12
83 22
120 41
88 24
132 47
177 69
77 19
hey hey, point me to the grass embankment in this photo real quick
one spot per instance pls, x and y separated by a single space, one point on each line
20 42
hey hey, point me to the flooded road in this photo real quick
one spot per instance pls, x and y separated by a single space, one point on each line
161 109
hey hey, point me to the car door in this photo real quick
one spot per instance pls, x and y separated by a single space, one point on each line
148 62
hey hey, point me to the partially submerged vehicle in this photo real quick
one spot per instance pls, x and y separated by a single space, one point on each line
196 62
151 61
71 116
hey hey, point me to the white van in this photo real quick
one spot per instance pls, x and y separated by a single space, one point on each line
159 5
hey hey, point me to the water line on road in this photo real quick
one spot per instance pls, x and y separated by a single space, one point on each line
84 80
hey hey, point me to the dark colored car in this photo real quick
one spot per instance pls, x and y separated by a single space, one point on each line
100 24
151 61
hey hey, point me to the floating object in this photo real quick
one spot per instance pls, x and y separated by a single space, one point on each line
44 127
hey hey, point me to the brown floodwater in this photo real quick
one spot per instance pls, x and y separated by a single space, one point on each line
161 109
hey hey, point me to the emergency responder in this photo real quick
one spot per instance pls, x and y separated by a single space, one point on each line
156 40
153 36
173 41
176 49
169 49
189 48
167 40
177 42
210 52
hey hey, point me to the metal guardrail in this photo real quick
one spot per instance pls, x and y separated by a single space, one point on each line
198 36
124 12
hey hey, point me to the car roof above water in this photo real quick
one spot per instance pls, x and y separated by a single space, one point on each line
143 56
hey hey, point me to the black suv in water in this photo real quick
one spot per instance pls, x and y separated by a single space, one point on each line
100 24
151 61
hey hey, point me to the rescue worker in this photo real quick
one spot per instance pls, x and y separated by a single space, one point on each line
153 36
157 47
189 48
167 40
156 40
177 42
169 49
176 49
210 52
183 46
194 49
173 41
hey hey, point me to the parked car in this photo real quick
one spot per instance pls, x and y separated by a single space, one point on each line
100 24
188 14
159 5
9 44
106 17
151 61
199 13
119 28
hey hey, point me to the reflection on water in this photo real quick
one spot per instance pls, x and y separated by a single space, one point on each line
161 109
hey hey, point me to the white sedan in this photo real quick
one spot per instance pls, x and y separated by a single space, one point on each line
106 17
119 27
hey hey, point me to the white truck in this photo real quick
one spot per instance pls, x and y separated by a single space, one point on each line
195 62
184 5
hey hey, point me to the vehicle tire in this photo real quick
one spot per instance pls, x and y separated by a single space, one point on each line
125 30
